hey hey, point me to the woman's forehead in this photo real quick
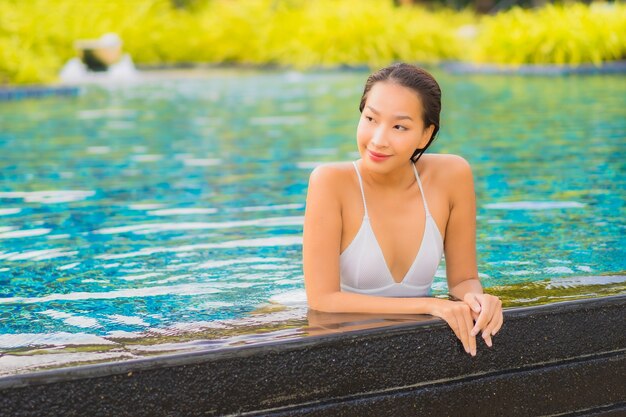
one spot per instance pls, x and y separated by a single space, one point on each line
386 97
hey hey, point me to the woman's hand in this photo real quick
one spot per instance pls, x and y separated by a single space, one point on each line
458 315
487 311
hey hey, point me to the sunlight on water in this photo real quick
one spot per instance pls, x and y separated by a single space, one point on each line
175 207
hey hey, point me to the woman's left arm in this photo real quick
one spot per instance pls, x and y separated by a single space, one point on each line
460 250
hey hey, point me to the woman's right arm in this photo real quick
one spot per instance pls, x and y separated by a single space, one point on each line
321 248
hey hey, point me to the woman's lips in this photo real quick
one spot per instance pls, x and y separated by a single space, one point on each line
377 157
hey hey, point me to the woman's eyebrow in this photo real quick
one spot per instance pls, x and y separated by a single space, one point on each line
398 117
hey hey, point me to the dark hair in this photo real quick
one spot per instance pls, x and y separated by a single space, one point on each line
422 83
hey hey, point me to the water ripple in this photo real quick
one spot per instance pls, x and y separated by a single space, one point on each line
24 233
183 289
534 205
47 197
168 227
37 255
9 211
243 243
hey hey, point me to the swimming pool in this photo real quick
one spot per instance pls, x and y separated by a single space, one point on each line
166 215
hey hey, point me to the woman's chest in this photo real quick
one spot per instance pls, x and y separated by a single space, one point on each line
398 223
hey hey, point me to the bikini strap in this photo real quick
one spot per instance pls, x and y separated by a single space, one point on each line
419 183
361 185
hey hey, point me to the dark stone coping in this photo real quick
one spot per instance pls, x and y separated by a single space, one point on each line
560 358
17 93
613 67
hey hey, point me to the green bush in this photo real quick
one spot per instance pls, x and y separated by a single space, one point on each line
554 34
37 36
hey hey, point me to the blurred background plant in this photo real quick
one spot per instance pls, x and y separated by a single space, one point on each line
37 36
553 34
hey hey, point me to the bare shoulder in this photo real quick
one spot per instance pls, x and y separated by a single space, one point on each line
326 190
445 161
447 168
451 175
331 175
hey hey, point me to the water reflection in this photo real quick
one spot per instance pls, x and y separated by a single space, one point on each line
171 211
285 318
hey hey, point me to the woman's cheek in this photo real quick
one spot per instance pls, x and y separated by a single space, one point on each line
361 134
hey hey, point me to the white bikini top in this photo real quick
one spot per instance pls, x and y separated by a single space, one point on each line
363 268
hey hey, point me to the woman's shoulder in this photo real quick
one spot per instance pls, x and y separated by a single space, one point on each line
332 171
450 174
445 159
328 181
332 177
445 166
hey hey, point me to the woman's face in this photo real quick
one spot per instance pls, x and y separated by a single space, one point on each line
391 127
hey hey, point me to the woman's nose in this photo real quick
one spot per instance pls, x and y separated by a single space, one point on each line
378 138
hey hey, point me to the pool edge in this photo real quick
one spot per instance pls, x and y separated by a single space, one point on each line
414 367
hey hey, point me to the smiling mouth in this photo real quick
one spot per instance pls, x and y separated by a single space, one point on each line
379 155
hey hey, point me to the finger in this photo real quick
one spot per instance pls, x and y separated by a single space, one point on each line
474 304
488 330
480 321
463 332
496 318
485 316
500 318
487 337
474 315
466 323
496 328
492 328
455 328
471 339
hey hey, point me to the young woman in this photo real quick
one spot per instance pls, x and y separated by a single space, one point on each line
375 229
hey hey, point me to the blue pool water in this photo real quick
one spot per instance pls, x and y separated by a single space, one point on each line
176 204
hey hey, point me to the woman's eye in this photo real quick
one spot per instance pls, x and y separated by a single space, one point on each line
401 127
369 119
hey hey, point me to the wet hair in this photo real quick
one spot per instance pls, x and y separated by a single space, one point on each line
420 81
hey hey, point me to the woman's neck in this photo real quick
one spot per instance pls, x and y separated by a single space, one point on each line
402 178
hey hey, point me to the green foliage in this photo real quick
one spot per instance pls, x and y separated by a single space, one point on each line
555 34
37 36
